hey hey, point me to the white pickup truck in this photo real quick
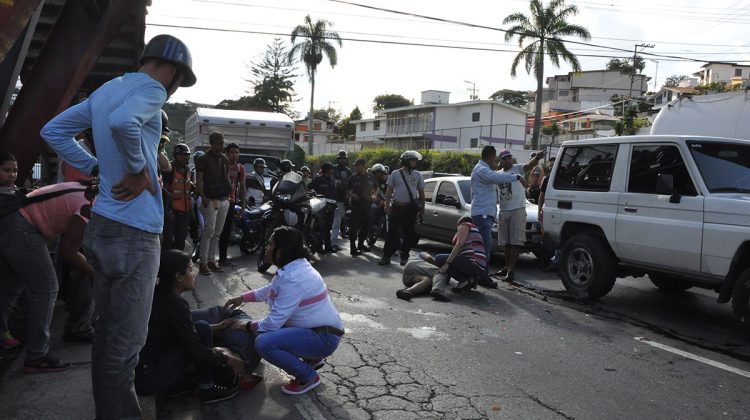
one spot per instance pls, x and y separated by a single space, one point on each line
674 207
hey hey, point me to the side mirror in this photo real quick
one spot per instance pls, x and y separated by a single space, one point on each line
665 186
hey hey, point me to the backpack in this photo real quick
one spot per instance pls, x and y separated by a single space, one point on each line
11 203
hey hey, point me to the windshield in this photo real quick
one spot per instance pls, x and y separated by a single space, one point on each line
465 187
725 167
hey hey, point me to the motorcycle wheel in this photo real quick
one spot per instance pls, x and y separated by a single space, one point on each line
249 244
263 266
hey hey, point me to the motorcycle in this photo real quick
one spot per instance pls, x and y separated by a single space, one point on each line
292 205
247 227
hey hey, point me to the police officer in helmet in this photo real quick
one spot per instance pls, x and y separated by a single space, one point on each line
341 173
406 189
359 189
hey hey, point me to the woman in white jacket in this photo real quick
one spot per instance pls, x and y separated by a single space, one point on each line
303 326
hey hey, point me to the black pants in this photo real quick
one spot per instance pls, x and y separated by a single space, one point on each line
166 374
401 226
224 237
359 223
175 230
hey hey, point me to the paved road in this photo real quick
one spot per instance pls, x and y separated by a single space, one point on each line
523 351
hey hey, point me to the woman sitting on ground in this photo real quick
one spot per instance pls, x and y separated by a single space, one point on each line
465 262
303 326
174 341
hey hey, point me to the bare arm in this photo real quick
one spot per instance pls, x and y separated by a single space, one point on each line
388 195
461 235
71 244
533 162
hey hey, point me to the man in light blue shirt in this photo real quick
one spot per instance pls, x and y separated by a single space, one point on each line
122 238
484 182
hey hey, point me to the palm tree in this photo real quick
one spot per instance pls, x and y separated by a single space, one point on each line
311 50
543 27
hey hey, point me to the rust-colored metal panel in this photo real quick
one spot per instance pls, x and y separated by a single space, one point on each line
14 16
81 34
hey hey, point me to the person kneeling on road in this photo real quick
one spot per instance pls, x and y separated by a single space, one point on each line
465 264
303 326
174 341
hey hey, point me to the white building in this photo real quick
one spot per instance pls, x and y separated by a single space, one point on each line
438 124
593 89
729 73
325 137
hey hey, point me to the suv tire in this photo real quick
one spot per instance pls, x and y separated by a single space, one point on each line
588 266
741 299
669 283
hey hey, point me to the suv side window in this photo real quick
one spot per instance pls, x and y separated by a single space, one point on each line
447 194
429 188
586 168
647 162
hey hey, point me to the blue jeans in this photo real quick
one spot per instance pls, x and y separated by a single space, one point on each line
462 268
125 261
484 225
289 347
25 261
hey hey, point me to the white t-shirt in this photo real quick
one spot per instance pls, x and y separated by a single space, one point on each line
511 196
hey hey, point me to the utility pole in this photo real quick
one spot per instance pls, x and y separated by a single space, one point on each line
473 89
632 75
656 76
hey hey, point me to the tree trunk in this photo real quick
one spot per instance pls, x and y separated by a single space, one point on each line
539 96
312 111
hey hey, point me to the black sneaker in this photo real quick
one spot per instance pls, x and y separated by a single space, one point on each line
355 253
404 294
486 282
46 364
404 260
218 393
364 248
384 261
84 336
439 296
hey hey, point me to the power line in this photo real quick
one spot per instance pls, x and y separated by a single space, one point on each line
671 10
403 36
473 25
417 44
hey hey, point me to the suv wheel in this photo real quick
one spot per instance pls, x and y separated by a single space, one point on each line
741 299
588 266
669 283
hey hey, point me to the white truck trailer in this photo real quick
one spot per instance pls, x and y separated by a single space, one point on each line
262 133
717 115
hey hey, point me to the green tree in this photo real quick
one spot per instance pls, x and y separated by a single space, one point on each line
178 114
328 114
273 79
318 42
626 65
674 80
544 29
389 100
243 103
517 98
348 130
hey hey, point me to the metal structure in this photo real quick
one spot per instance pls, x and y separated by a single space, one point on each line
76 46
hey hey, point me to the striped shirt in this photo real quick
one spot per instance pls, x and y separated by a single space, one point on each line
474 246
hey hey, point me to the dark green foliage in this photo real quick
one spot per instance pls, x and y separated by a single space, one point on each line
389 100
432 160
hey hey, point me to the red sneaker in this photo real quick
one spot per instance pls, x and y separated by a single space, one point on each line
9 342
295 388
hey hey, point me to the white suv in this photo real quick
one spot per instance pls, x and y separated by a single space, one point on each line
674 207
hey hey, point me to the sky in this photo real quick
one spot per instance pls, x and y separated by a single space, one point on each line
697 30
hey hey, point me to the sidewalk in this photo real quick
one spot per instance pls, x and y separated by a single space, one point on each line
67 395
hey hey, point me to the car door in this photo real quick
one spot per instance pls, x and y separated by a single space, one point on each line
654 227
446 211
426 228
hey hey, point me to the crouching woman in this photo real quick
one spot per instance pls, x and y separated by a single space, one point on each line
303 326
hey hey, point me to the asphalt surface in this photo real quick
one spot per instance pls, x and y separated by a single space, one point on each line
523 351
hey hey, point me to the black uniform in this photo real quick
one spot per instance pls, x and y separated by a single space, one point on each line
325 186
360 186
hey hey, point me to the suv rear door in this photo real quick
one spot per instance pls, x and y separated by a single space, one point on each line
659 229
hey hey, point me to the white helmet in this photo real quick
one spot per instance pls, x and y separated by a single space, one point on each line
378 168
409 155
